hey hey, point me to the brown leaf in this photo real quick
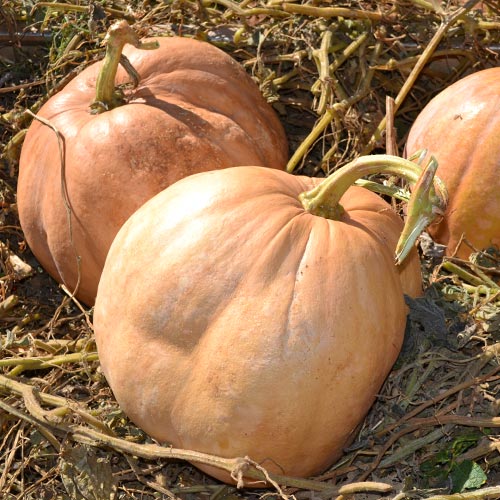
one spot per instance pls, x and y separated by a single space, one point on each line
85 476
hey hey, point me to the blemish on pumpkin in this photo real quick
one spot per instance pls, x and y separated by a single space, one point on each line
223 443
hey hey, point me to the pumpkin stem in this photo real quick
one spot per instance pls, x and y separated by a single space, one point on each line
119 34
428 199
422 210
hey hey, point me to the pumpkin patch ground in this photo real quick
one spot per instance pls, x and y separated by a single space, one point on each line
345 79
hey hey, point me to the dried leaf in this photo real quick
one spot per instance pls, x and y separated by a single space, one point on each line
20 269
85 476
426 327
429 317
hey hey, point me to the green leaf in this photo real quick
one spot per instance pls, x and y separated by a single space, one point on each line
465 441
467 475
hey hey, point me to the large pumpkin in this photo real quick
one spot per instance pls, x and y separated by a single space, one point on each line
231 320
461 128
194 109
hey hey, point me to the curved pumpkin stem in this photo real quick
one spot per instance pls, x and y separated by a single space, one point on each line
429 196
422 210
119 34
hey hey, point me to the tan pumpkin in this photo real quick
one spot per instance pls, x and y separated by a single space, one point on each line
461 128
194 109
231 320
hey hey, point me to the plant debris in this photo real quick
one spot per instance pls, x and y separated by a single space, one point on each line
347 78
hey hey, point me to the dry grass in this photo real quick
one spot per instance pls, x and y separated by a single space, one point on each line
62 433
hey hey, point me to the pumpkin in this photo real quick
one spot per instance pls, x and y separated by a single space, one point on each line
233 321
461 127
194 109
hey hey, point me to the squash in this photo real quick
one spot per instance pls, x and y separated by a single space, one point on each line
194 109
245 312
461 128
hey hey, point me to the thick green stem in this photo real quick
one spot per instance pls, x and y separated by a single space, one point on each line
423 208
323 199
429 196
116 38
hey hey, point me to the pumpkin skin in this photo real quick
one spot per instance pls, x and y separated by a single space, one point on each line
194 109
230 321
461 128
